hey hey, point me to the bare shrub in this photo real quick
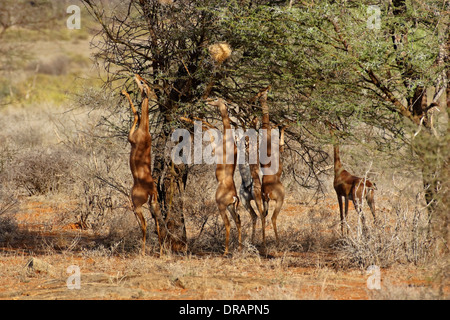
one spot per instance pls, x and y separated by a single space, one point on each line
124 235
102 183
305 165
8 202
94 204
8 206
41 171
401 237
29 158
202 217
315 238
57 66
6 155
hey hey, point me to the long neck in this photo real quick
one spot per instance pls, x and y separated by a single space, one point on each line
265 112
281 150
224 113
282 139
337 159
144 124
266 125
229 146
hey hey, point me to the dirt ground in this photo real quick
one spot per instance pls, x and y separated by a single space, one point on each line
40 266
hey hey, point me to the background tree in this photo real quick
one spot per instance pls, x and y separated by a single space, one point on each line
167 44
21 16
391 77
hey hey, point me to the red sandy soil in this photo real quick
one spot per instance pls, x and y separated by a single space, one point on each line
281 275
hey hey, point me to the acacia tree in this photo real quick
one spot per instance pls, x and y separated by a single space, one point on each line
384 64
380 75
167 43
324 60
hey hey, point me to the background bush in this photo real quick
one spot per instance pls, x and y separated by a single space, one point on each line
40 172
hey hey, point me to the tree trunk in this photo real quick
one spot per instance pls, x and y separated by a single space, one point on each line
171 181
